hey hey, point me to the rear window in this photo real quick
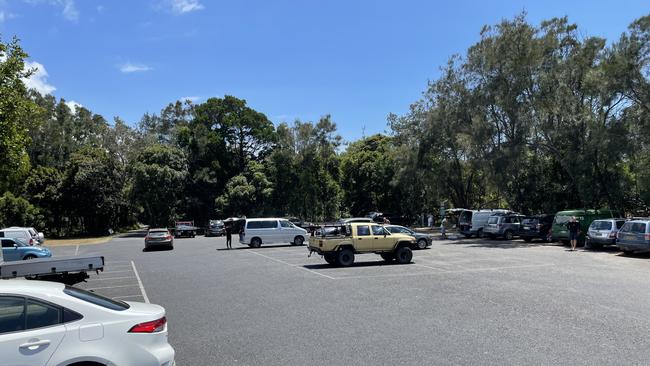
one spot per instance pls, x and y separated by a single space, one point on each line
158 233
562 219
638 227
620 223
266 224
530 221
601 225
96 299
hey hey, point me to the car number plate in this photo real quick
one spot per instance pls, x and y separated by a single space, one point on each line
526 227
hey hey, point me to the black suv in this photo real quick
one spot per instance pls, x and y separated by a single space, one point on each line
536 227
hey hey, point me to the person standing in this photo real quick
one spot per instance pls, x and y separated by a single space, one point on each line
574 232
443 229
229 236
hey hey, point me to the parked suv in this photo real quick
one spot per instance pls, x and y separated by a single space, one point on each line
271 231
634 236
503 225
603 232
536 227
472 222
25 234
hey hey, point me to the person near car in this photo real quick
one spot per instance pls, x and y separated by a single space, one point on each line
574 231
228 229
443 229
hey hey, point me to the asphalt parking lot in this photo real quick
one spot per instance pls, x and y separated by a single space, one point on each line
460 302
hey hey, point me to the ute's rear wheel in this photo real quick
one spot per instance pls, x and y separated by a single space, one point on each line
345 257
403 255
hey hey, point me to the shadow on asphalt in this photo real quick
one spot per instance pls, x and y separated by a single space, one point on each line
157 249
500 243
355 264
262 247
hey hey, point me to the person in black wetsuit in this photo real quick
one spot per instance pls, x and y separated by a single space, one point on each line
229 236
574 232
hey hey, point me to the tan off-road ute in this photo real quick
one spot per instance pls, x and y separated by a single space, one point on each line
338 245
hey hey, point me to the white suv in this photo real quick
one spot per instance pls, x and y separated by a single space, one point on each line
48 323
271 231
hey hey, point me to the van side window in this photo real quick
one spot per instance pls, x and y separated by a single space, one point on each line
285 223
363 230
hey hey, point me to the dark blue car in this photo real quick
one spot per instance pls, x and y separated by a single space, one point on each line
14 249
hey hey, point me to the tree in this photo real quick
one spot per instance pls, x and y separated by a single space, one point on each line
159 173
16 113
17 211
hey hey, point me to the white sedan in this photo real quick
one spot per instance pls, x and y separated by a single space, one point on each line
48 323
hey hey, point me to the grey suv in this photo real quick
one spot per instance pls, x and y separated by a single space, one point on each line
603 232
503 225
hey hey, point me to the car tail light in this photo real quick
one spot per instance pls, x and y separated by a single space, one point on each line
612 235
647 237
146 237
150 327
31 241
168 237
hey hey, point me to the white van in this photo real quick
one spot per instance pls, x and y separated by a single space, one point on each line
271 231
472 222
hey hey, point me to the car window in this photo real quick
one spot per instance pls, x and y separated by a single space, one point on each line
406 231
562 219
12 314
285 223
638 228
395 229
619 224
7 243
625 228
41 315
96 299
601 225
363 230
493 220
377 230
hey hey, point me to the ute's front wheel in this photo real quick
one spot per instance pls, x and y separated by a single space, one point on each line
403 255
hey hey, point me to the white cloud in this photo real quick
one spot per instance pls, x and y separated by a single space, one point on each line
73 105
129 68
192 99
70 11
185 6
3 16
38 80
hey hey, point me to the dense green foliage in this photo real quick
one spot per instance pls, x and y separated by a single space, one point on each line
534 118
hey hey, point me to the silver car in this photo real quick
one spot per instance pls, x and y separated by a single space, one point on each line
603 232
157 238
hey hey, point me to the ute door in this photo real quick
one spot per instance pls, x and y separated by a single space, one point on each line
364 238
381 238
30 331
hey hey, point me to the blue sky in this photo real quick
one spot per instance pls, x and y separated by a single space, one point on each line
356 60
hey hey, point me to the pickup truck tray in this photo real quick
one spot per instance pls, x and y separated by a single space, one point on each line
51 266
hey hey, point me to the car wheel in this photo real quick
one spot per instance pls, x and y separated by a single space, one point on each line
330 258
467 236
298 240
256 243
29 256
491 236
388 257
508 235
479 233
628 252
528 240
345 257
422 244
403 255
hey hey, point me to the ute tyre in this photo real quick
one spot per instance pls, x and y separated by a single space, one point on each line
298 240
422 244
256 243
508 235
387 257
403 255
345 257
330 258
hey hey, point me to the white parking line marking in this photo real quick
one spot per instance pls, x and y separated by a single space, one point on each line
113 278
291 265
137 276
76 251
127 296
109 287
130 270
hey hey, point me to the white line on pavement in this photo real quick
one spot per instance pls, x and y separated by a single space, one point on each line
76 251
130 270
291 265
127 296
113 278
109 287
137 276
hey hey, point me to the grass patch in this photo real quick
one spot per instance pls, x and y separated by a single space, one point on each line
77 241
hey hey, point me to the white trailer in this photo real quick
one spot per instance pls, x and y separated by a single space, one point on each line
69 270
